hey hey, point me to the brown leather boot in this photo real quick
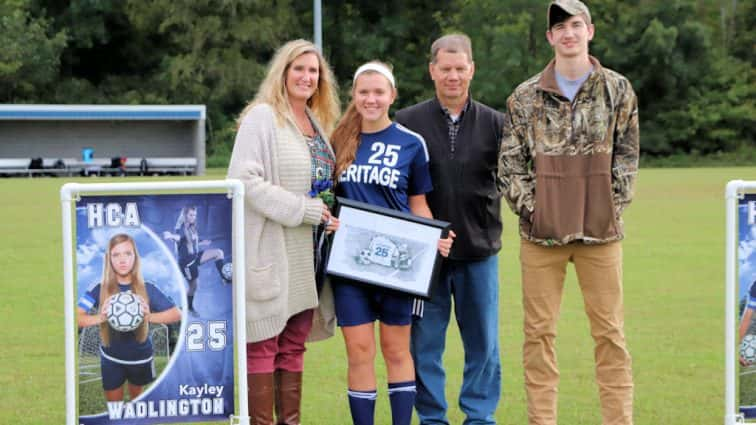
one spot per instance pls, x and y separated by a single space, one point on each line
260 398
288 397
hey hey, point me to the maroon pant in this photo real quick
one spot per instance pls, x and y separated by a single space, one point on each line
284 351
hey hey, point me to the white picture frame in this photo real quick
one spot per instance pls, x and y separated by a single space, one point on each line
387 248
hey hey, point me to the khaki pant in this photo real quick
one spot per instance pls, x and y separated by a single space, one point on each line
599 271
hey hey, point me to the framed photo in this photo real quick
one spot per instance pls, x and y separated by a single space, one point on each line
161 239
385 247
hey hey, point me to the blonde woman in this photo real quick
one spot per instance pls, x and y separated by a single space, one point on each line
125 356
369 144
281 151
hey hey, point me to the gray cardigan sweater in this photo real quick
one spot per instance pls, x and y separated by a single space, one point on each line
273 162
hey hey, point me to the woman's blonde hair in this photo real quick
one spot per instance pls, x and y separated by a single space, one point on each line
109 286
324 103
346 136
181 220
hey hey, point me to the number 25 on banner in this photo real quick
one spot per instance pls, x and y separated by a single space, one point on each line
216 336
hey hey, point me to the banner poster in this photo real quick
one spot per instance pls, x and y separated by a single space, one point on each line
168 256
746 335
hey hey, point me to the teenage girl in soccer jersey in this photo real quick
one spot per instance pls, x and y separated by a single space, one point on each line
125 356
189 254
366 137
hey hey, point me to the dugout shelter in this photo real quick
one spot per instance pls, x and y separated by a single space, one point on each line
102 139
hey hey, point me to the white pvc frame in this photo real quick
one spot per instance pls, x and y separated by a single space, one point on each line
70 192
733 193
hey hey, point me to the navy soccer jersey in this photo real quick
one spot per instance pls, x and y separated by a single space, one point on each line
752 297
124 348
390 166
188 245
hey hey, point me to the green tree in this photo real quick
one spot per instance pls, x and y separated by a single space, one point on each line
30 57
690 61
212 52
693 98
397 32
743 45
170 52
509 44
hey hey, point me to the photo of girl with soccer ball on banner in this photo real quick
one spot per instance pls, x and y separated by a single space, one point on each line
123 306
746 336
143 359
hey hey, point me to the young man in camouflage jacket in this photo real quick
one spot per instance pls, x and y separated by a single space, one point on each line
568 160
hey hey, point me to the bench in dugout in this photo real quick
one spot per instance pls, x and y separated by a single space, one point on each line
15 167
176 166
58 167
93 167
30 167
52 167
149 166
116 166
122 166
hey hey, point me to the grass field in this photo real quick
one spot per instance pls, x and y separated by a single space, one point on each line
674 273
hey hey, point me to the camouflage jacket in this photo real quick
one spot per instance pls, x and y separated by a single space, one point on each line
567 168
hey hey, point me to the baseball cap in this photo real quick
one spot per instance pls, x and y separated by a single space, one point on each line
571 7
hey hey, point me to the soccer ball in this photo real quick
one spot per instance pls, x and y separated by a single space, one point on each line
227 272
364 257
125 312
748 349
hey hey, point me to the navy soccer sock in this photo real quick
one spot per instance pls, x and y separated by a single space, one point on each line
402 398
362 406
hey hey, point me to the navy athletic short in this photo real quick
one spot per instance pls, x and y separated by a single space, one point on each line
357 304
114 374
190 266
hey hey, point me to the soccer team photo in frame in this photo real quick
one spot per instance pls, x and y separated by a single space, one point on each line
385 247
153 293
